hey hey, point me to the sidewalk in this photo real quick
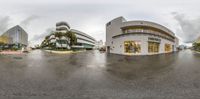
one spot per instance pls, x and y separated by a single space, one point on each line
196 52
62 52
10 52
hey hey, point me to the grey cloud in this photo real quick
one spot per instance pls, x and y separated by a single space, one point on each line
28 20
42 36
190 28
4 22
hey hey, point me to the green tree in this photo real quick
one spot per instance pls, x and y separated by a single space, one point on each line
43 44
2 43
59 35
47 37
71 35
196 46
73 39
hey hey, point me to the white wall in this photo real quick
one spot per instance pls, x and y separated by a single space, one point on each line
147 23
83 41
113 29
118 44
85 38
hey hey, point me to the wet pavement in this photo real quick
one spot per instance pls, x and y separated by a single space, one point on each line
95 75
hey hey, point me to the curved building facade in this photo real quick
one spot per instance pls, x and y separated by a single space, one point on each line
84 40
62 27
138 38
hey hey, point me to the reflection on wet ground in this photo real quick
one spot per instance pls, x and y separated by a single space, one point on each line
97 75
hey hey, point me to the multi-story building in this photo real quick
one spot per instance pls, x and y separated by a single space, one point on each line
138 38
84 41
16 36
62 42
62 27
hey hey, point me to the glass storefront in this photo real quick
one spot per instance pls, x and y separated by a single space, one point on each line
168 47
153 47
132 46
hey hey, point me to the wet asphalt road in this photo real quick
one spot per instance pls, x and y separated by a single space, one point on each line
94 75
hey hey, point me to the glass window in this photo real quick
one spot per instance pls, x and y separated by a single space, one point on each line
168 47
153 47
132 46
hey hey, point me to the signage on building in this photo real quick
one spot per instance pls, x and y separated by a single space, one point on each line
151 39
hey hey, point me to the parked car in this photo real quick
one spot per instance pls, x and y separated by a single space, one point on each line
102 49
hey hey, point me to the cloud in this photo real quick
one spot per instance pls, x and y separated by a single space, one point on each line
4 22
90 16
26 22
42 36
189 28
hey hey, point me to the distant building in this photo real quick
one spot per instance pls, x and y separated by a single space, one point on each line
16 36
138 38
182 47
99 44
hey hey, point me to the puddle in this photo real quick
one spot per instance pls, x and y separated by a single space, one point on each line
18 58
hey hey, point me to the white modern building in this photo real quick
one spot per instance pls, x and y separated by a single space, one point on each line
63 42
139 38
59 42
84 41
62 27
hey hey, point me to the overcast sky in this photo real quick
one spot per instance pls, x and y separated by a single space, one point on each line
38 17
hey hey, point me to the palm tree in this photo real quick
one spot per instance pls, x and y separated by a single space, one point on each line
59 35
44 43
45 40
71 35
2 45
47 37
196 46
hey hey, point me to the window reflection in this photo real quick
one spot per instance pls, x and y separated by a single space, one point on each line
132 47
168 47
153 47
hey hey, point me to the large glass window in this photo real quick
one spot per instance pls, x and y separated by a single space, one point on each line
132 46
153 47
168 47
